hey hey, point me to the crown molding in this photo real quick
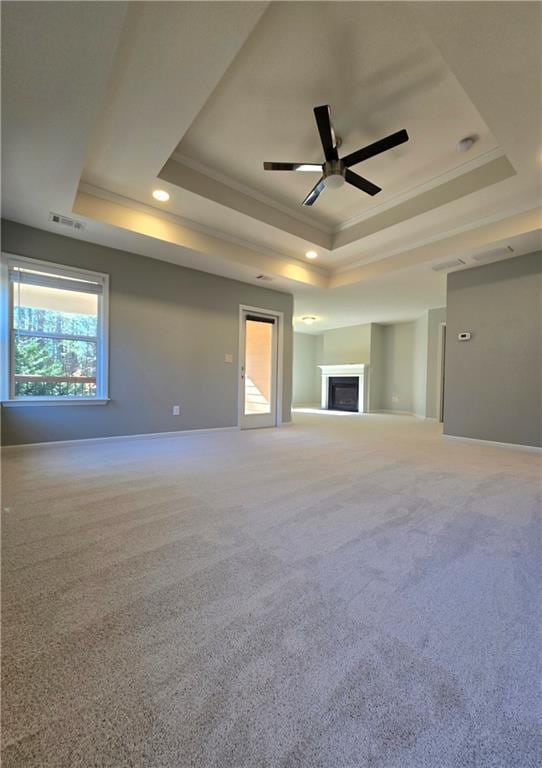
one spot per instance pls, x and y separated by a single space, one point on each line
482 170
401 197
244 189
208 188
476 179
491 229
421 243
435 181
121 212
105 194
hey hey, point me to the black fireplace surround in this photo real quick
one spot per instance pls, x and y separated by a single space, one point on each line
343 393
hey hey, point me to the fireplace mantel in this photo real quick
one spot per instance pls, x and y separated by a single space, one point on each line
348 369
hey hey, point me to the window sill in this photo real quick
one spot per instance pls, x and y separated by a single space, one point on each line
54 401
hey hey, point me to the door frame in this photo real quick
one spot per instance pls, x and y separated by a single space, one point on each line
279 317
441 363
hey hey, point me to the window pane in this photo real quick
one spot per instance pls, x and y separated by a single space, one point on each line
54 367
54 310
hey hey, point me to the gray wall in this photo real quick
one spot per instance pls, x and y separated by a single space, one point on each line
306 379
346 345
494 382
170 328
399 366
398 384
398 361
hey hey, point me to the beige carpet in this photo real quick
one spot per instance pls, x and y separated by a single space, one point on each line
347 592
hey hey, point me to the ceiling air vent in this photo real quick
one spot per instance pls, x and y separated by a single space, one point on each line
447 265
264 277
496 253
65 221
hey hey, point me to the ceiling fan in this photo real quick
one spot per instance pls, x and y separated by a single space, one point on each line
335 171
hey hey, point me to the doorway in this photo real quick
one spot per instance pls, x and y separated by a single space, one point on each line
441 378
260 336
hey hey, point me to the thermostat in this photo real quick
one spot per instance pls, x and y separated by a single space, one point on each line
464 336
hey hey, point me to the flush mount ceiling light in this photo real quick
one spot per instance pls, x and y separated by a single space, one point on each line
161 195
465 144
311 255
308 319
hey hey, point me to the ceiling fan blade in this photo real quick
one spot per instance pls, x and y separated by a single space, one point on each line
309 167
327 134
312 197
364 184
382 145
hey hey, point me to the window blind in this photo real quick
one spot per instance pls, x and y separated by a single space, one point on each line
17 275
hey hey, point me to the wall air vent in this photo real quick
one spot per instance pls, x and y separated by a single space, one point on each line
448 265
496 253
65 221
264 278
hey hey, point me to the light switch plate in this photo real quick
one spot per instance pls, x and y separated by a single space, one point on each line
228 358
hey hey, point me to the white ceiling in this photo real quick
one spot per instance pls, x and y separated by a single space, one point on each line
104 102
396 297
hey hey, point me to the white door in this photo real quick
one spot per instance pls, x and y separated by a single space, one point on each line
258 369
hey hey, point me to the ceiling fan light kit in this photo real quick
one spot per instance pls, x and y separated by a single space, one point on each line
335 170
334 180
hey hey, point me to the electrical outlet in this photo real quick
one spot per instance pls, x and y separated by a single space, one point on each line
228 358
176 410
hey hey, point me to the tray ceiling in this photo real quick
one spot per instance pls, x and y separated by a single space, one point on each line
122 98
380 72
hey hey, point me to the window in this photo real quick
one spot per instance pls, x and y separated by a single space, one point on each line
57 332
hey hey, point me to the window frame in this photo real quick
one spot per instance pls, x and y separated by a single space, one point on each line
7 391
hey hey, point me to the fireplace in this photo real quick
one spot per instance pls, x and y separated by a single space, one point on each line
343 393
343 386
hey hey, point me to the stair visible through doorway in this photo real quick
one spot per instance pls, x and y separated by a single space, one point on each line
255 402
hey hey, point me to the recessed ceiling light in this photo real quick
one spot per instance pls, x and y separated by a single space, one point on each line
311 255
161 194
308 319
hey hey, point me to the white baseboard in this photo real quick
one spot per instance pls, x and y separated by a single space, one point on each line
406 413
112 438
297 406
513 446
